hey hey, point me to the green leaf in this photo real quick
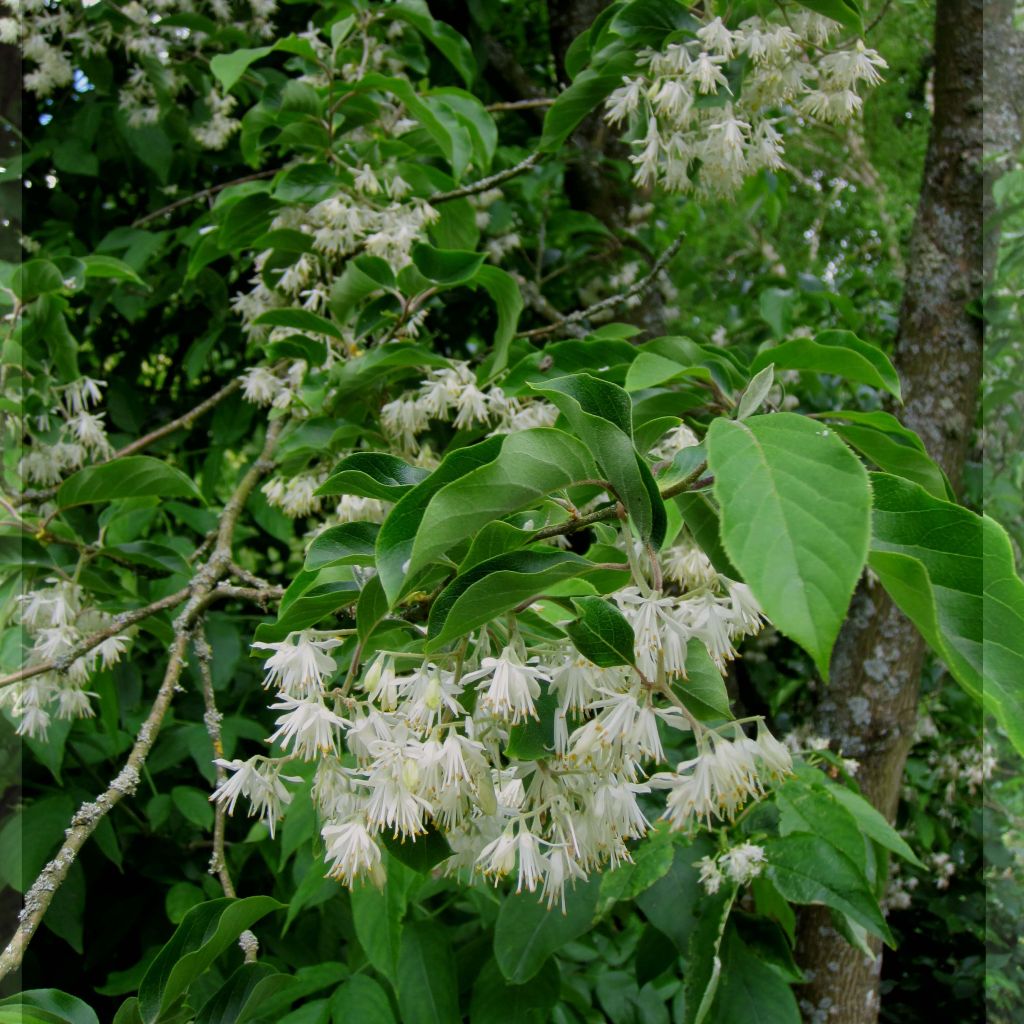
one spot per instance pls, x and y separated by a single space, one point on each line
835 352
527 933
534 738
34 278
110 267
495 1001
53 1005
601 633
205 932
447 267
600 414
873 824
816 811
670 904
756 392
652 860
299 320
503 289
892 455
242 996
749 991
588 90
423 112
135 476
354 376
421 854
703 964
454 47
360 1000
360 278
228 68
496 585
373 475
348 544
371 608
529 466
427 987
1003 649
378 914
399 531
703 689
807 869
796 521
928 553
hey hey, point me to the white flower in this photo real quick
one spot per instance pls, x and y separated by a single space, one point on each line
298 668
498 857
715 36
743 863
366 181
660 636
532 862
710 876
308 725
352 849
260 386
263 785
513 686
705 71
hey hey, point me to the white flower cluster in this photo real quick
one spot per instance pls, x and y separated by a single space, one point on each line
452 394
55 36
56 619
414 746
740 864
79 436
372 217
697 134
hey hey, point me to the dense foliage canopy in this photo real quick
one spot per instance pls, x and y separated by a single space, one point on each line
441 446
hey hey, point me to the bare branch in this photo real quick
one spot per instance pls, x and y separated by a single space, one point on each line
539 101
641 286
485 183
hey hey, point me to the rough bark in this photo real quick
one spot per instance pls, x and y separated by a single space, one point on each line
870 706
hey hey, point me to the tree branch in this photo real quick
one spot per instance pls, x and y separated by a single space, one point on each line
485 183
87 818
203 194
638 288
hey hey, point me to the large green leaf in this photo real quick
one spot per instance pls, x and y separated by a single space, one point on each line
816 811
503 289
51 1004
928 554
892 454
361 1000
427 987
454 46
347 544
527 933
228 68
242 996
601 415
447 267
373 475
1003 648
495 586
703 688
601 633
495 1001
749 990
837 352
205 932
796 521
703 964
135 476
586 92
530 465
378 916
808 869
398 532
300 320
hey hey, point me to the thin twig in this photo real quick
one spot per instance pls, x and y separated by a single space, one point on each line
540 101
485 183
88 817
638 288
203 194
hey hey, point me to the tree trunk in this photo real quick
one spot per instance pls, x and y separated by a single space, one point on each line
870 707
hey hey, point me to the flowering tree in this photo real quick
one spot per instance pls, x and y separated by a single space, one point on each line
312 355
